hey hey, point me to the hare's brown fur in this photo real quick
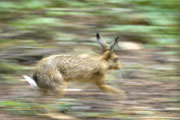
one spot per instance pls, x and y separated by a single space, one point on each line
53 73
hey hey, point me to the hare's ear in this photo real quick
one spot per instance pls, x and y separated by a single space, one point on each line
102 42
114 43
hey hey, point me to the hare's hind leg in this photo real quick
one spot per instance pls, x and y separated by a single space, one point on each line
60 90
43 92
102 85
59 83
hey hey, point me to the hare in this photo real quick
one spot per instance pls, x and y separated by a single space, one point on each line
54 72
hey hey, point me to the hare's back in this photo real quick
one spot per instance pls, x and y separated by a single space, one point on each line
77 62
76 67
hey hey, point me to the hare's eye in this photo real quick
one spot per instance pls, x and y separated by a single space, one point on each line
116 59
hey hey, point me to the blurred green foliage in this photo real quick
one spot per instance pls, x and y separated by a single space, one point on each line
17 108
157 21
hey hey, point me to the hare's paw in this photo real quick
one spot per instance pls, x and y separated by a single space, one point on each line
122 93
114 90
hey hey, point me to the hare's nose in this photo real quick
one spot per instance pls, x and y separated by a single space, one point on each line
118 66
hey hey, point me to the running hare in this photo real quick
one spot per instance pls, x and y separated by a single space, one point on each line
52 73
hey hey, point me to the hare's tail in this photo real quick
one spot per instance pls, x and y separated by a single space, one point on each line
31 82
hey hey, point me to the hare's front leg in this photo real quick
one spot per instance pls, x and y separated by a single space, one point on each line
102 85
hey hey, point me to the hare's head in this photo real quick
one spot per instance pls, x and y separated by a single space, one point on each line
108 54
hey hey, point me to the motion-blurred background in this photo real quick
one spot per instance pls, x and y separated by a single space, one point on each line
148 50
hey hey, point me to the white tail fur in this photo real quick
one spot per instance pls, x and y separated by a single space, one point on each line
31 82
